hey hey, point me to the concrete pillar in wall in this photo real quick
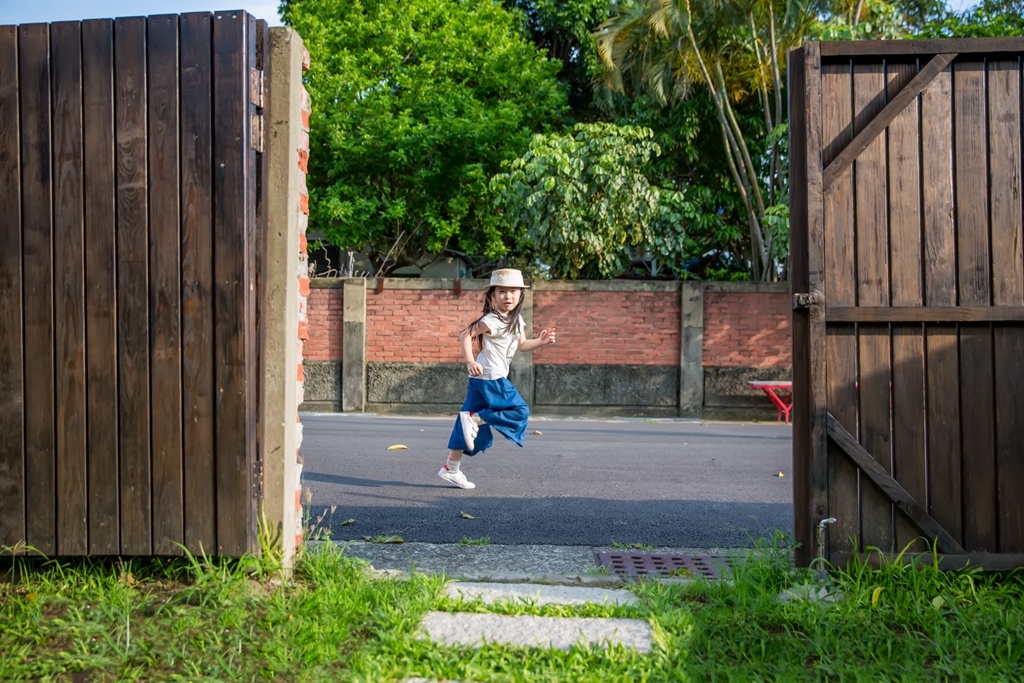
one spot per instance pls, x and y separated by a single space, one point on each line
521 373
283 118
691 352
353 361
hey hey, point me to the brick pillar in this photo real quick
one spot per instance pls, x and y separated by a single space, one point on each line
287 284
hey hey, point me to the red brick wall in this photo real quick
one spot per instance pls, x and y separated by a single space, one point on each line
747 329
418 325
609 328
324 316
741 329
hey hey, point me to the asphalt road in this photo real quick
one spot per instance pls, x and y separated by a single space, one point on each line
579 482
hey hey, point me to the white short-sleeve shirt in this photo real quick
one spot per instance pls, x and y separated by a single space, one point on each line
498 347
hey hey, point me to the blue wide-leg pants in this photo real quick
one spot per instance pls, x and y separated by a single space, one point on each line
500 406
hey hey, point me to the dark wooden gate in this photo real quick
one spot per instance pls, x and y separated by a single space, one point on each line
908 281
130 236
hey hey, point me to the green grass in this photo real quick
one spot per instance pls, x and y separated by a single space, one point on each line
631 546
213 620
486 540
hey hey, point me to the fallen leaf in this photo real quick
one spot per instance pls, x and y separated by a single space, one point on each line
875 595
466 515
537 432
398 447
31 596
781 474
393 539
127 578
347 522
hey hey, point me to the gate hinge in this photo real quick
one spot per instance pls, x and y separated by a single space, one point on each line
256 132
256 87
803 300
257 479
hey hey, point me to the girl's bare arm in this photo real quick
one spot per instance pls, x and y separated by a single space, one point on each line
547 336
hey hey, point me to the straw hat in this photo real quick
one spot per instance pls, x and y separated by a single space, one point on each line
507 277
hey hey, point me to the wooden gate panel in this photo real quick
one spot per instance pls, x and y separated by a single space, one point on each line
922 381
908 387
234 367
100 286
197 281
942 367
37 256
133 283
840 285
165 284
69 283
1005 165
872 268
12 378
974 279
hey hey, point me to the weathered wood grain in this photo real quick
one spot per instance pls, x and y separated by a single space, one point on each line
69 286
37 271
100 286
12 374
165 285
197 281
840 280
132 178
974 277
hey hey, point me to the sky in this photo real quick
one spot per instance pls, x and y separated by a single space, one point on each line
29 11
48 11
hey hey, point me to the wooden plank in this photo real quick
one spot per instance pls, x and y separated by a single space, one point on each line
259 56
12 375
872 277
818 475
840 289
133 284
165 285
974 276
899 99
1005 166
941 362
230 186
887 48
100 286
802 525
908 419
869 465
197 281
925 314
69 301
37 269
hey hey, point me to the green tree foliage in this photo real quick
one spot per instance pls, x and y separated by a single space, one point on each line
989 19
416 104
562 28
584 201
731 50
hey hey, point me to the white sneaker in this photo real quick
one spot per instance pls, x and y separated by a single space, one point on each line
456 478
469 429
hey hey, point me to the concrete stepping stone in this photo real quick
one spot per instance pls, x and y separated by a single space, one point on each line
538 594
560 633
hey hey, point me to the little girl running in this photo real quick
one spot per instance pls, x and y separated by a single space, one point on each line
491 400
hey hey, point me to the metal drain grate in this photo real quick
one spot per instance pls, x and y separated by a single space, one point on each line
677 566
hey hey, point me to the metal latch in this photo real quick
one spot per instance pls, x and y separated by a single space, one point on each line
256 132
802 300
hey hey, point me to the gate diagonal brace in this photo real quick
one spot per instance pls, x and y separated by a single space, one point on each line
899 496
896 105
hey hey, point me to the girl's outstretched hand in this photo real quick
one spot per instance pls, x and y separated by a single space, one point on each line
547 336
475 369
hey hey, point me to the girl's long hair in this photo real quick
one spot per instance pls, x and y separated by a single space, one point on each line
511 320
